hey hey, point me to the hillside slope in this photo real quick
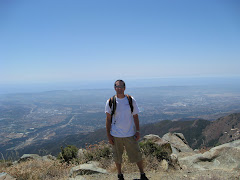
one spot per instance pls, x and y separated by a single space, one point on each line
198 133
223 130
192 131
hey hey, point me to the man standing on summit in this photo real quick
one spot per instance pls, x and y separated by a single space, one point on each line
123 129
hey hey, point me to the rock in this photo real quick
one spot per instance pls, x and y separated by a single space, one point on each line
26 157
181 136
178 142
29 156
164 165
174 158
49 158
184 167
174 161
152 137
86 169
5 176
225 157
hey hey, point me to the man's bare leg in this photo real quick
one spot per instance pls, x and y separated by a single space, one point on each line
119 168
140 166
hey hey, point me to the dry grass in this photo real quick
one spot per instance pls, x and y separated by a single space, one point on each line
37 170
101 152
150 164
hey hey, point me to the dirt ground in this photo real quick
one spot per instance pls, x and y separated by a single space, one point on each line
172 175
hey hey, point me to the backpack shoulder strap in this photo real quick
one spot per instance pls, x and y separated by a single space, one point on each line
112 103
130 102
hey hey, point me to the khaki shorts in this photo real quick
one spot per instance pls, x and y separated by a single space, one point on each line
131 146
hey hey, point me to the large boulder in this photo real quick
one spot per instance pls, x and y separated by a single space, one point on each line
226 157
178 142
86 169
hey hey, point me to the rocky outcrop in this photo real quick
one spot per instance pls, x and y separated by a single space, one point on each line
178 142
26 157
171 159
86 169
226 157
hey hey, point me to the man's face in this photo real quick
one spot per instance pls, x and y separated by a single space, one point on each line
119 88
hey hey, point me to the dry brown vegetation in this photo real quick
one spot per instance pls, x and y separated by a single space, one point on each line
57 169
101 152
37 169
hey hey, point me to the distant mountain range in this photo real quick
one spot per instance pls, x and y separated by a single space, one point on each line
199 133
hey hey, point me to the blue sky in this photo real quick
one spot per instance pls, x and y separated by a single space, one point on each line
66 41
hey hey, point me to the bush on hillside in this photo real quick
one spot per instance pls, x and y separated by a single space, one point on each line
68 153
97 152
153 150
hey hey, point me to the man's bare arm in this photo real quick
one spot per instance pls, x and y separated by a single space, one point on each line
108 128
136 122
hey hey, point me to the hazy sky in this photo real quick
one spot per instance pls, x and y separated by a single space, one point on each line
56 40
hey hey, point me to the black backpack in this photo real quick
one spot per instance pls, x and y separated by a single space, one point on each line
112 103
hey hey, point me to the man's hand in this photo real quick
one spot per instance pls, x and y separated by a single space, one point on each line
137 136
110 139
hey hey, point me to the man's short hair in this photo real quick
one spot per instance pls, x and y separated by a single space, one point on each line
120 81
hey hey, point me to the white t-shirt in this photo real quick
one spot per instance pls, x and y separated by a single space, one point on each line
122 121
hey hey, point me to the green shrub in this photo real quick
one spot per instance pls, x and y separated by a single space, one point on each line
68 154
151 149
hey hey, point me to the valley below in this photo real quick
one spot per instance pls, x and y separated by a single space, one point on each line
33 122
